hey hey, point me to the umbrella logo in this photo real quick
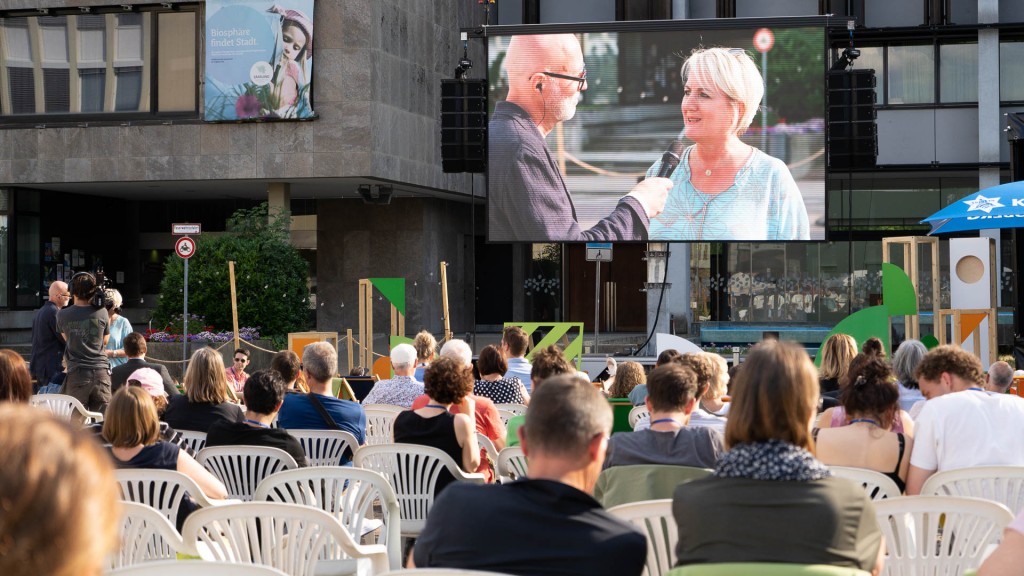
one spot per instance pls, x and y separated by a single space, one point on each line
984 204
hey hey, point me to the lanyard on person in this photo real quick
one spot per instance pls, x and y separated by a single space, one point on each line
257 423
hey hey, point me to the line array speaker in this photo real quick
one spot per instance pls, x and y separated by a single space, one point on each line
853 132
464 125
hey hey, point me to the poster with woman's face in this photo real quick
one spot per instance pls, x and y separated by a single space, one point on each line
259 60
749 108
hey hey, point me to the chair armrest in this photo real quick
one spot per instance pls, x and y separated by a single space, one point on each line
475 477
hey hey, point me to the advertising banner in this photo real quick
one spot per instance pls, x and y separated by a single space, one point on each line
259 60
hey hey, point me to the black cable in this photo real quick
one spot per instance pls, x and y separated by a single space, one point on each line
657 312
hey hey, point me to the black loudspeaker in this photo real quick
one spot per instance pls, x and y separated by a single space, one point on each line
464 125
852 130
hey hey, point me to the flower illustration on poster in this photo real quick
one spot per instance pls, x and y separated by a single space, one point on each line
259 60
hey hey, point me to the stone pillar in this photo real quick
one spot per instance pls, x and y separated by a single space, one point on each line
989 121
279 197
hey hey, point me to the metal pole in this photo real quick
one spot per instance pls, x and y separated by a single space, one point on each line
184 328
764 110
597 306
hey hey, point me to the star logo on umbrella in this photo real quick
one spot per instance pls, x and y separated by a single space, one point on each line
984 204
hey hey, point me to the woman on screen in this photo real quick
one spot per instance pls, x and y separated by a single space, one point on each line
726 189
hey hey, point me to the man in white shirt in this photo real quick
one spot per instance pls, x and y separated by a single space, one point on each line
962 424
403 388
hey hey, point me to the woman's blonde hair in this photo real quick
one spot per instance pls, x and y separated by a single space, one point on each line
628 375
131 419
60 515
836 355
425 345
734 74
205 382
774 397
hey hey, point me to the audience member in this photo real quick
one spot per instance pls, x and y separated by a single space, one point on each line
710 374
713 400
319 410
547 362
150 381
904 362
47 342
86 329
514 341
360 371
1008 558
207 397
402 389
264 393
61 514
484 527
492 383
236 375
628 375
135 349
999 377
671 398
872 402
289 366
873 346
838 416
639 393
120 327
836 354
15 380
447 382
770 499
962 425
426 350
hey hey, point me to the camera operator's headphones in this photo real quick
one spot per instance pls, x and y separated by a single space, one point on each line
98 299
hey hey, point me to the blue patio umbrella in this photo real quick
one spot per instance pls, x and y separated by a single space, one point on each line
996 207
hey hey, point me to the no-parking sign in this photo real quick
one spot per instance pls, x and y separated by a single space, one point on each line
764 39
185 247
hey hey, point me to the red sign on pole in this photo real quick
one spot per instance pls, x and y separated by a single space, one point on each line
185 247
764 39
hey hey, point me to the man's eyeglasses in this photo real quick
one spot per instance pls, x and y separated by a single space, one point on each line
582 78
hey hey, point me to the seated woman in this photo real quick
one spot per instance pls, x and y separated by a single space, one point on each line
492 383
206 399
836 354
872 400
15 380
446 382
837 416
904 364
133 431
769 479
628 375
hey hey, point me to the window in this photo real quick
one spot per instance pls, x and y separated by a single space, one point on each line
871 58
1011 81
958 73
911 74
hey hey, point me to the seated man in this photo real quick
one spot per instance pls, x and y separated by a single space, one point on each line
403 388
671 398
264 393
547 362
135 349
484 527
961 424
319 410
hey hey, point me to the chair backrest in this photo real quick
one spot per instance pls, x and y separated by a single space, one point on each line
653 518
174 568
938 535
441 572
195 439
241 468
765 569
146 535
65 407
488 446
352 495
1003 484
326 447
878 486
637 413
162 490
413 471
507 411
361 385
380 423
625 484
290 537
511 463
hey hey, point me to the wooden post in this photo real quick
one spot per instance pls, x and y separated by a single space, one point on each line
234 303
348 339
365 323
444 302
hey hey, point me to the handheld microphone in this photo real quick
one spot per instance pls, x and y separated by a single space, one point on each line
670 159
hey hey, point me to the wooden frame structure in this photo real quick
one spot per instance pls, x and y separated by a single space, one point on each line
366 322
911 249
958 336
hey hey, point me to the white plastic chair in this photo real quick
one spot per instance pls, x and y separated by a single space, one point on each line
1003 484
507 411
146 535
162 490
241 468
511 464
349 494
175 568
298 540
412 471
653 518
488 446
878 486
195 439
65 407
325 447
441 572
938 535
380 423
637 413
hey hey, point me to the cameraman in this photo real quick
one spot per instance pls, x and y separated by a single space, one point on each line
86 328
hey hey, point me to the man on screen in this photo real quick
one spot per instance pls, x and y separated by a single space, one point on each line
529 200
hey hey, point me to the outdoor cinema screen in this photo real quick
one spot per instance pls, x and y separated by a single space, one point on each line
581 124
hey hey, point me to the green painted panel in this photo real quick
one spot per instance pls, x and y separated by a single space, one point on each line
572 330
863 324
898 293
393 289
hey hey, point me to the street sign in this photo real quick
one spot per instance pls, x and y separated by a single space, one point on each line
186 229
185 247
764 39
599 252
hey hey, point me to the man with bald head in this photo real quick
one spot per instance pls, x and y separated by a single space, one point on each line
47 342
529 200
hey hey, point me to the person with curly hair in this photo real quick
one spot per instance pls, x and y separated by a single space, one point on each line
837 416
628 375
426 350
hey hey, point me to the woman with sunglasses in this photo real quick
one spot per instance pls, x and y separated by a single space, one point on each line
724 188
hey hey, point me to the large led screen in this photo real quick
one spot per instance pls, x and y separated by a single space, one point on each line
584 130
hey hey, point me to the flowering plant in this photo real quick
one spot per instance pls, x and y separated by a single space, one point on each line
207 335
541 285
